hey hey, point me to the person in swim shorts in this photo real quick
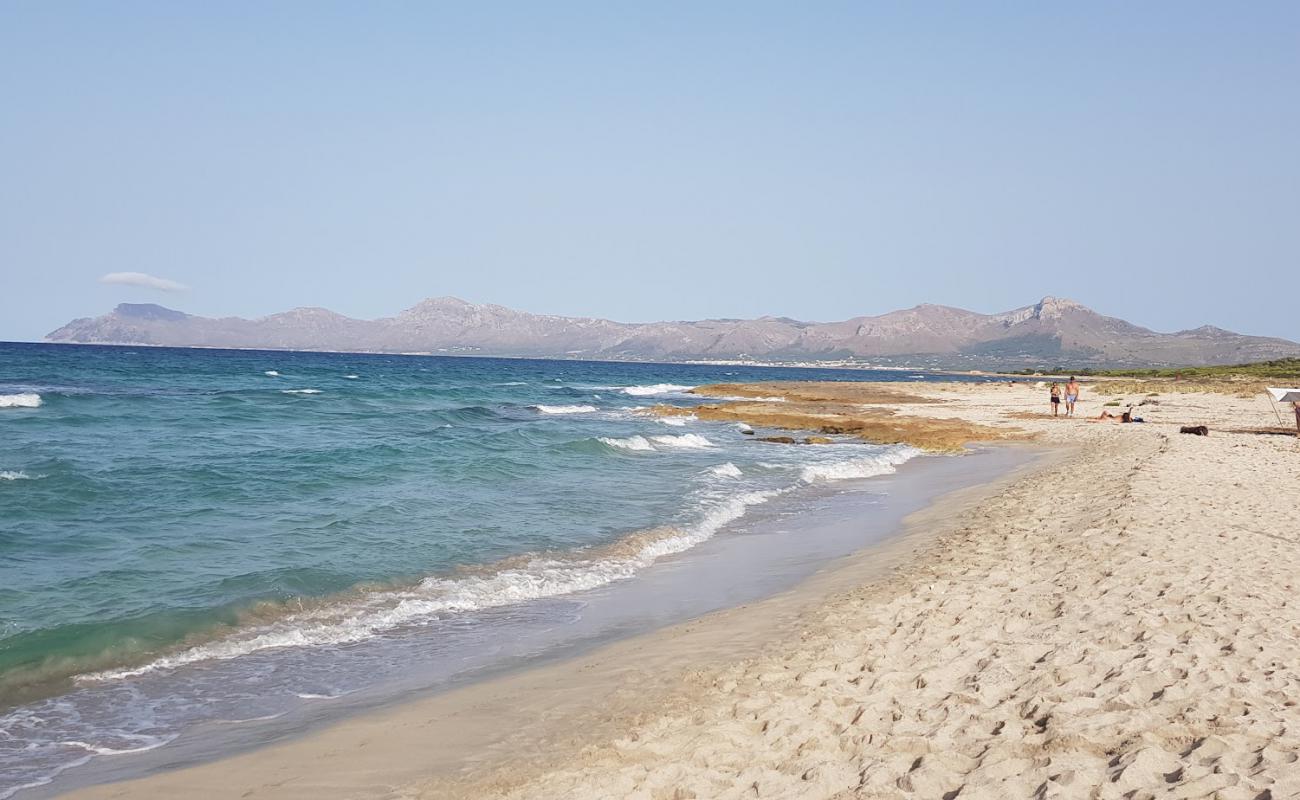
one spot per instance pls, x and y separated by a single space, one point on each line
1056 399
1071 396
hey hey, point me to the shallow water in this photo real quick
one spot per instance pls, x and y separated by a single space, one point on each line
195 537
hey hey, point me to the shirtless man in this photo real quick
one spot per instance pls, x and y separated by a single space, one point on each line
1071 396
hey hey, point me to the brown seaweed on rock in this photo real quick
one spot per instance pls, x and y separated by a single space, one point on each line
857 409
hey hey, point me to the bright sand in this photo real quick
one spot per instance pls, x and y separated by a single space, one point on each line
1117 621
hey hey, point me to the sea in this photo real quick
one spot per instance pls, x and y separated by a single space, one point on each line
195 538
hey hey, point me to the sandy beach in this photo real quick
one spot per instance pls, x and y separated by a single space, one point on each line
1116 620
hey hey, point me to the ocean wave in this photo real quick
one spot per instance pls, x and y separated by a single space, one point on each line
14 475
565 409
300 391
516 580
352 377
727 470
630 443
272 373
655 388
686 441
868 467
675 422
23 400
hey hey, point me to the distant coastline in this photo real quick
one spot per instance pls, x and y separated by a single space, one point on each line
1051 333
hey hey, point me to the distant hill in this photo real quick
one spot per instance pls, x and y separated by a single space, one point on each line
1053 331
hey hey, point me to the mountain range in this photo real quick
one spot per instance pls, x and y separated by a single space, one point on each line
1050 332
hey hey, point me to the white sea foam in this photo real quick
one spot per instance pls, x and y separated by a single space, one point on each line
352 377
300 391
315 696
741 426
565 409
6 793
727 470
655 388
147 743
272 373
686 441
630 443
675 422
23 400
14 475
868 467
434 597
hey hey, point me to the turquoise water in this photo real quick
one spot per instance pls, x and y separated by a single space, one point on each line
172 519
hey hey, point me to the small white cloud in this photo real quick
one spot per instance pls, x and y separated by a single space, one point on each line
143 279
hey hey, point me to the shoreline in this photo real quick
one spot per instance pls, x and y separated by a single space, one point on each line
1122 626
1112 620
478 705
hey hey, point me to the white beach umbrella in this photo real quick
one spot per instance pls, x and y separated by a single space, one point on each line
1287 396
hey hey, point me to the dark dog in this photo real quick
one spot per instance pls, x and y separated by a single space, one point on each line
1195 430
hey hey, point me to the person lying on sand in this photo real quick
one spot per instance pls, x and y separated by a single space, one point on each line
1127 416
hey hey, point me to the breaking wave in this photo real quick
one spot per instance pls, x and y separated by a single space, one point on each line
686 441
510 582
23 400
727 470
565 409
882 464
629 443
689 441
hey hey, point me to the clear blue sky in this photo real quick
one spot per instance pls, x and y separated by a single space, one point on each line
657 161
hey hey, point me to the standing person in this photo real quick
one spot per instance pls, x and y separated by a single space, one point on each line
1056 399
1071 396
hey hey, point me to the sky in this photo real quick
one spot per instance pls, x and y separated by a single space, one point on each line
651 161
